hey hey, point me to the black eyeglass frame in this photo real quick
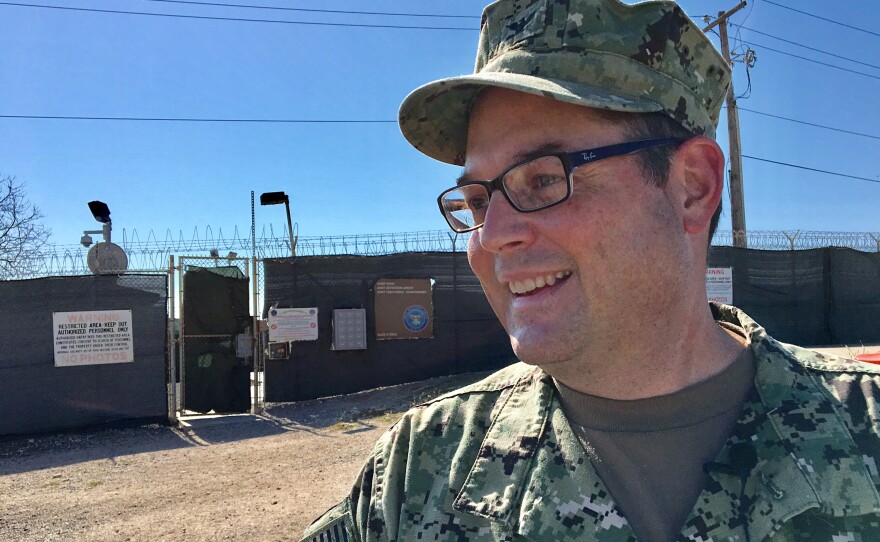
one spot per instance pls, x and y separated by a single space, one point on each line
570 162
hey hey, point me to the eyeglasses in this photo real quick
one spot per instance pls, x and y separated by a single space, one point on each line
531 185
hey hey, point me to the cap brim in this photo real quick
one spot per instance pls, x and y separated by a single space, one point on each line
434 117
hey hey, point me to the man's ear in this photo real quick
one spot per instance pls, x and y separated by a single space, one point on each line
698 171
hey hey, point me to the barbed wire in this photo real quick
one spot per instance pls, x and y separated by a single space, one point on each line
802 240
152 254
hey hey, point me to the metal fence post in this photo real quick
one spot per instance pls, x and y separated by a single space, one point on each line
791 238
181 341
172 368
256 406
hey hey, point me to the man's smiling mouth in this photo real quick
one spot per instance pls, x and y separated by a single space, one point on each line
530 285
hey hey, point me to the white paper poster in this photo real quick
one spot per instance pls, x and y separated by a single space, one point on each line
719 284
293 324
92 337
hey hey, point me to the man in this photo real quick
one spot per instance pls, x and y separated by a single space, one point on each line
592 184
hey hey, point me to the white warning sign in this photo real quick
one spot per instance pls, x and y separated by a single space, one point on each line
92 337
719 284
287 325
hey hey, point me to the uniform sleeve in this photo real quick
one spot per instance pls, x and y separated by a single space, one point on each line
348 521
336 525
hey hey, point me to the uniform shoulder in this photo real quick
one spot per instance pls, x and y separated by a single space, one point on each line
852 385
496 382
472 406
829 364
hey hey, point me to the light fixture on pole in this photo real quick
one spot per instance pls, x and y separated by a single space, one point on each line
274 198
105 257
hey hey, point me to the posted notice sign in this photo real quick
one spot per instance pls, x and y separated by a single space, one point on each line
92 338
719 284
287 325
404 309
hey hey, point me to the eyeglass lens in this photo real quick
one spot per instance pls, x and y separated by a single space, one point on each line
529 186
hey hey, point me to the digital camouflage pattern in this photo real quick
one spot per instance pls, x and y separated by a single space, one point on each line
647 57
497 460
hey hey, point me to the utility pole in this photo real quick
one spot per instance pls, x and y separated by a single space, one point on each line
737 205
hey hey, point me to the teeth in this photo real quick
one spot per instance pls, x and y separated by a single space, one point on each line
527 285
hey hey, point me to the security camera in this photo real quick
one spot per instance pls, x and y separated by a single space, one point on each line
86 240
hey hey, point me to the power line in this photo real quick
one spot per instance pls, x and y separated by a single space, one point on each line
248 6
812 169
346 121
805 46
235 19
183 119
351 121
823 18
812 60
810 123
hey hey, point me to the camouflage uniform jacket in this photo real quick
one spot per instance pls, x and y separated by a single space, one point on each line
497 460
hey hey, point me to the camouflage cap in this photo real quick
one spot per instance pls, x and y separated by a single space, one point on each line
647 57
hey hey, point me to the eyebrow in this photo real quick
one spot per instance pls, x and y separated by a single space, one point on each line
537 152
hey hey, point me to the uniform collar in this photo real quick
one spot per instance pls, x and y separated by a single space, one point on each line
533 476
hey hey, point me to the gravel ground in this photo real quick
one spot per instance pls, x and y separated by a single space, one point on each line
261 478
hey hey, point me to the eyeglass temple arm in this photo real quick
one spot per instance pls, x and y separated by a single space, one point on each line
594 155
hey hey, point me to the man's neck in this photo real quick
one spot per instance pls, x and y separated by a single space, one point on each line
658 361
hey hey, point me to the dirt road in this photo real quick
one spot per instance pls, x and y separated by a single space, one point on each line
252 478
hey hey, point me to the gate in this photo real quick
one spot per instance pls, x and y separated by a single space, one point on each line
218 367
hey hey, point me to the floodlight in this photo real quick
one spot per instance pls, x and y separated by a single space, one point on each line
214 253
232 255
100 211
273 198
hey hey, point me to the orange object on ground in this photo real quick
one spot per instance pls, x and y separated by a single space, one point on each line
870 358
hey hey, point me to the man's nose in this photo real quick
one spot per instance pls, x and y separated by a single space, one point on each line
505 228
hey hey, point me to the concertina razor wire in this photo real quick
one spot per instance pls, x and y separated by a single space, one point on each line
153 252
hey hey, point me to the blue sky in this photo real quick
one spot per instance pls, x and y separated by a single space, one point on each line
364 178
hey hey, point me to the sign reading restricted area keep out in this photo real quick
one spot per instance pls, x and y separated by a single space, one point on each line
92 338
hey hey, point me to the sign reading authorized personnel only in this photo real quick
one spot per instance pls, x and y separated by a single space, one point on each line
92 338
404 309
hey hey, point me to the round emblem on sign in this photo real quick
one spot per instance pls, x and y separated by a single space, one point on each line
415 318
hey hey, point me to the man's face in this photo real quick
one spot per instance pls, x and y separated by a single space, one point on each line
610 256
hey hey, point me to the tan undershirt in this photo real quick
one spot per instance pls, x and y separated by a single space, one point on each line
650 452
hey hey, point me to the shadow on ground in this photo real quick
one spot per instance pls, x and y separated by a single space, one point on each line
344 414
